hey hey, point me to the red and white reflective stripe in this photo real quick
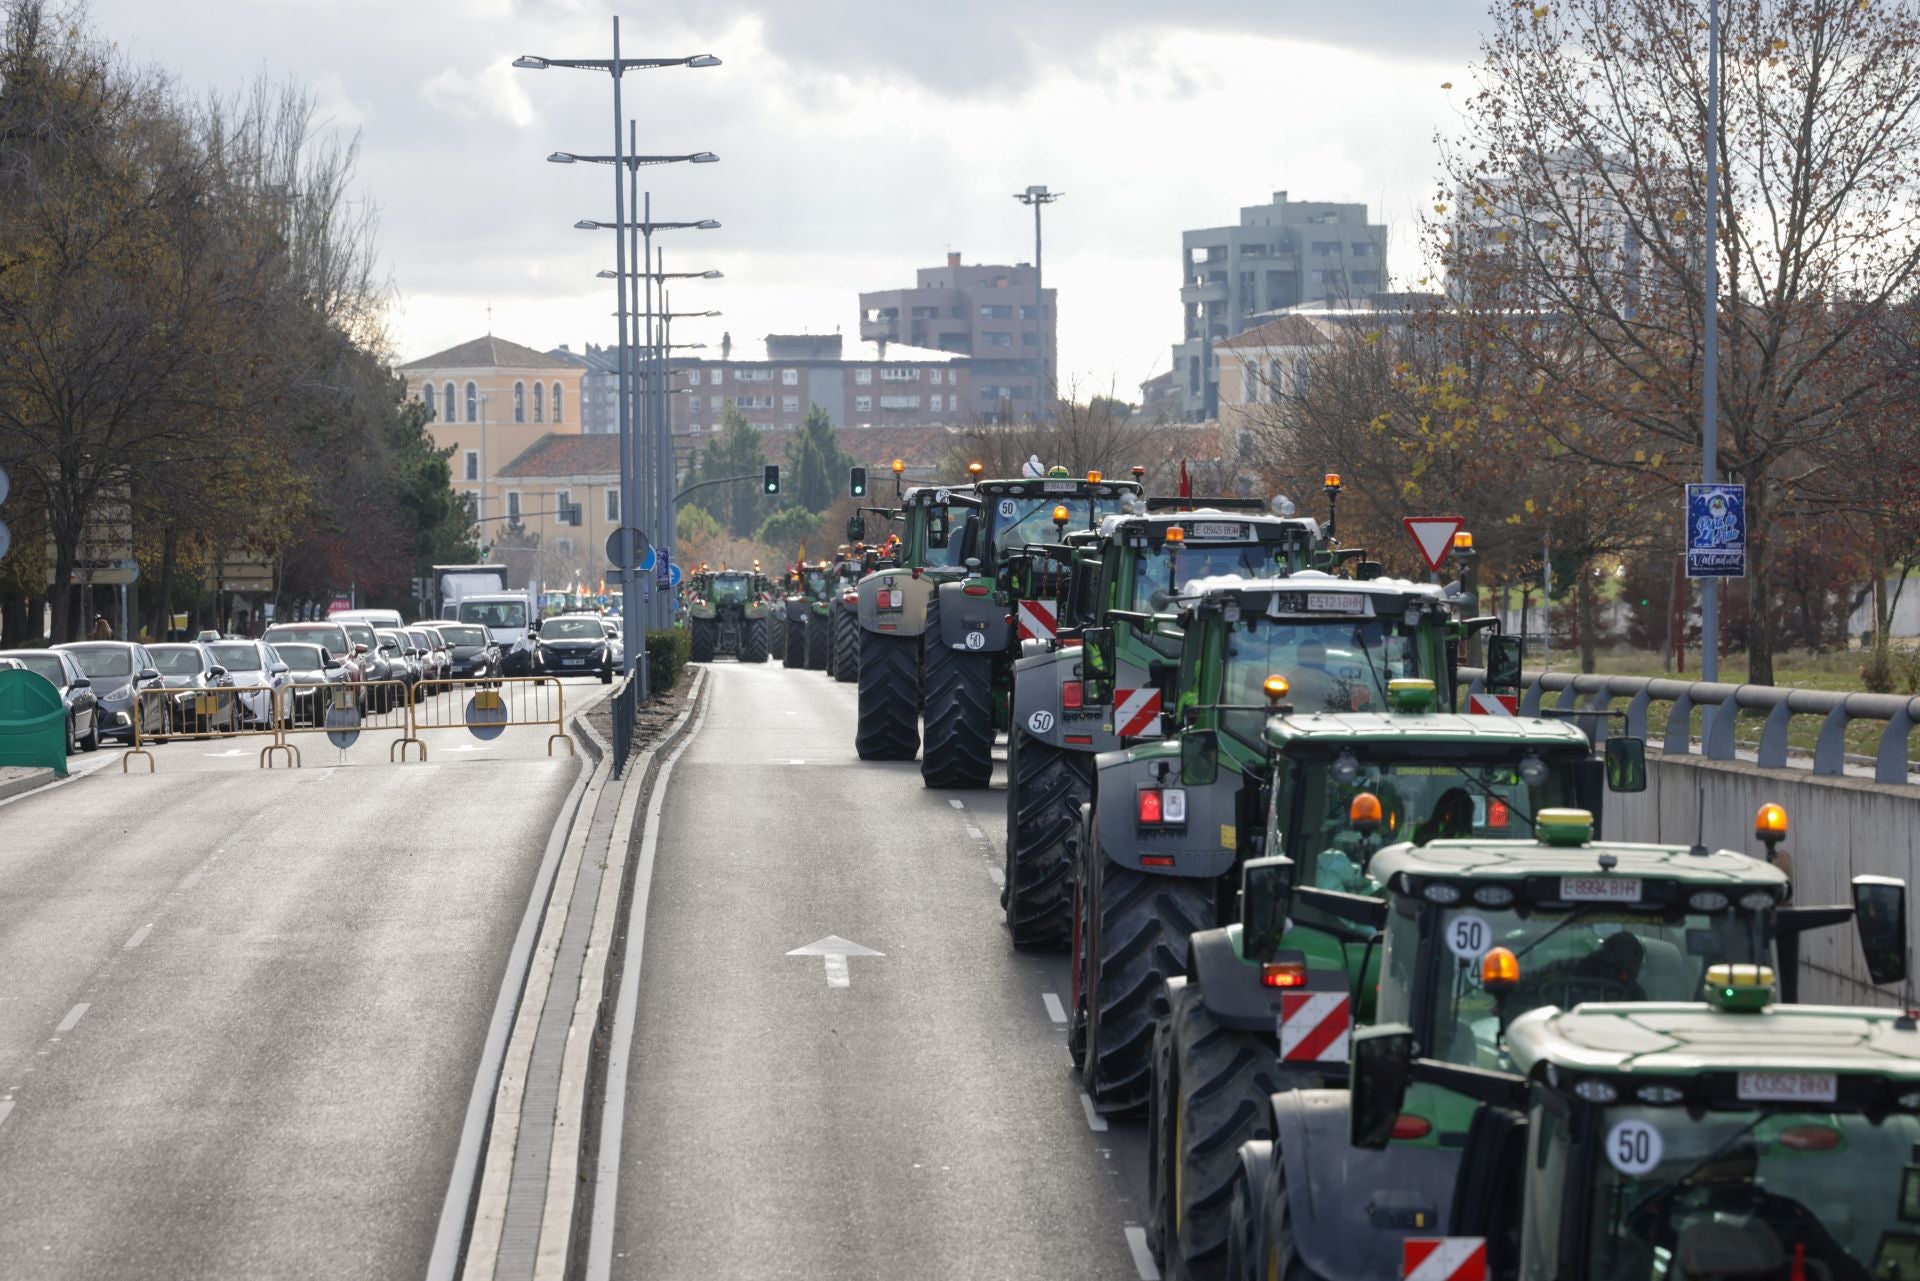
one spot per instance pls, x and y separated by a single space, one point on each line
1036 620
1136 713
1314 1027
1493 704
1443 1259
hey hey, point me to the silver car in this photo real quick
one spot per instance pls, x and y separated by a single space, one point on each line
257 672
121 671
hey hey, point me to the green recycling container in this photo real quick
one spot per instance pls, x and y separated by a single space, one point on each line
33 721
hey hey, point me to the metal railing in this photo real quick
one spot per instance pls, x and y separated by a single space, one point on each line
626 707
489 707
1720 706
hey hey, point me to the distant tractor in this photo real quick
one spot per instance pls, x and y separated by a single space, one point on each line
728 616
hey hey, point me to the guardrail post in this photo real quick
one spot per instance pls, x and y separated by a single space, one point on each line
1830 749
1637 713
1773 737
1891 763
1716 727
1531 696
1679 741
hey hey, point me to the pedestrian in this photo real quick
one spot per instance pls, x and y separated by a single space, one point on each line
102 629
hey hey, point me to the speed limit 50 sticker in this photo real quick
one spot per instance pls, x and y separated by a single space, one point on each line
1469 936
1634 1148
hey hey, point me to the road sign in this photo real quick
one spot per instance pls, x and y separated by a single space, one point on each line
646 559
6 539
1716 531
486 714
835 951
343 723
1443 1259
673 575
6 486
1433 535
617 548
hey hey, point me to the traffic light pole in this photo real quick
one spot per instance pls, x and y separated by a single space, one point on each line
704 484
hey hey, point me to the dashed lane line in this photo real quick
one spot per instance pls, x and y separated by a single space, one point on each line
1095 1122
976 833
1055 1011
73 1018
998 877
139 937
957 804
1142 1257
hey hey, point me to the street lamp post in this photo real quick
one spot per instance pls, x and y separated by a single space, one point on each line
1710 360
1038 198
616 67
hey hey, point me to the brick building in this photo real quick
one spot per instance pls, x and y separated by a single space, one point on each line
983 311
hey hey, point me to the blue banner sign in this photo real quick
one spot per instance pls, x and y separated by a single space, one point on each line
1716 531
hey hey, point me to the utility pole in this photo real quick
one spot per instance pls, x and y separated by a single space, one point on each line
1710 408
1038 198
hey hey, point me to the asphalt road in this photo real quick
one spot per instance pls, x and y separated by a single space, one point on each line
922 1120
242 1008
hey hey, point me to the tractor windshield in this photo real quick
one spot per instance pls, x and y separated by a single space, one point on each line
1781 1192
1335 665
1569 952
731 589
1169 568
1013 521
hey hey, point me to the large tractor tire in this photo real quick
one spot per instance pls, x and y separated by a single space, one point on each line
796 655
753 641
889 725
957 713
1282 1259
819 643
1045 788
703 639
846 646
1218 1081
1133 934
777 638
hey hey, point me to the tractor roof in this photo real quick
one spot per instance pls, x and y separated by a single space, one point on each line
1062 486
1204 525
1516 860
1311 592
1687 1039
921 495
1387 730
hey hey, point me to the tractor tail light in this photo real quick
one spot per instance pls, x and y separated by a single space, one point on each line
975 589
1070 694
1284 974
1409 1126
1151 810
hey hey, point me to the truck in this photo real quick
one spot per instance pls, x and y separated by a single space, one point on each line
506 615
453 583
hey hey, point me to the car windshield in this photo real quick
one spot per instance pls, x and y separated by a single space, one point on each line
177 660
1569 952
421 640
1779 1192
108 661
1331 666
45 665
572 629
301 658
494 613
731 589
465 635
1016 522
1171 567
361 634
237 658
328 635
1419 800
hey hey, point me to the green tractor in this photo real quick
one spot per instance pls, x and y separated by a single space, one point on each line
1170 820
1470 936
808 590
842 617
1136 564
729 614
1716 1139
1342 786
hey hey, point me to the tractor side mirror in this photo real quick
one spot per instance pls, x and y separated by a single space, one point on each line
1017 576
1626 764
970 537
1880 918
1378 1075
1266 895
1199 757
939 528
1098 644
1503 664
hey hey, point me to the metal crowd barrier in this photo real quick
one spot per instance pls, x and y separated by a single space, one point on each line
351 709
486 708
1720 706
204 712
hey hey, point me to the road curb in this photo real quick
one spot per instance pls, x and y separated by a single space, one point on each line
18 782
525 1201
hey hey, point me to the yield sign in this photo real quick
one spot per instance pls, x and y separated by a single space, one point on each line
1433 535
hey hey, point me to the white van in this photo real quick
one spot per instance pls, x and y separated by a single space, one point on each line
388 618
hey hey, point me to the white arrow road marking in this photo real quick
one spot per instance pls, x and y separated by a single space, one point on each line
835 950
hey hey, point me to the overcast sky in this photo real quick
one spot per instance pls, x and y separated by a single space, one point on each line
859 139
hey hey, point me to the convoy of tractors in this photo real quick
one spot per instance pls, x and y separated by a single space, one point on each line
1390 1003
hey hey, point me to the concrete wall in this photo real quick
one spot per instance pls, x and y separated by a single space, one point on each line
1838 828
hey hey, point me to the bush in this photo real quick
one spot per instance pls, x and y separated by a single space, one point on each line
1877 673
668 649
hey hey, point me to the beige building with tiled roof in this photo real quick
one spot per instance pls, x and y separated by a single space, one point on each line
491 400
1262 367
558 470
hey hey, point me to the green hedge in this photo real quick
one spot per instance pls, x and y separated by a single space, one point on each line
668 650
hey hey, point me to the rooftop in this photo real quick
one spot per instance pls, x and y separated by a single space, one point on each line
1283 331
1685 1039
555 455
1512 860
490 352
1493 732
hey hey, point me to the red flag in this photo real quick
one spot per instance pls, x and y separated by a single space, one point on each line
1186 481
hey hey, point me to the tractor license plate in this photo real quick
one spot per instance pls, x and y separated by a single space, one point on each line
1219 529
1336 602
1059 487
1600 889
1788 1087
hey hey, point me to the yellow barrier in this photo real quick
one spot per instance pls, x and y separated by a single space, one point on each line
346 711
491 707
205 712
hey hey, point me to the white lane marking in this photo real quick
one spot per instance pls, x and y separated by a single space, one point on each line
835 950
1142 1257
6 1106
1095 1122
837 975
73 1018
230 752
471 747
959 805
999 877
796 762
1055 1011
976 833
191 879
139 937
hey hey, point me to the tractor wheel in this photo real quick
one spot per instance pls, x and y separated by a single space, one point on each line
1282 1258
794 652
753 641
777 637
846 646
889 725
1159 1136
703 638
819 643
1218 1082
1133 935
1045 788
957 714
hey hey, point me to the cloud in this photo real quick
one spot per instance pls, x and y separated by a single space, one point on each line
495 93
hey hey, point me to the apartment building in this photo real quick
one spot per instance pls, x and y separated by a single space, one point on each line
987 312
901 387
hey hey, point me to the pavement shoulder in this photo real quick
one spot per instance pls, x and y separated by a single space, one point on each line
18 780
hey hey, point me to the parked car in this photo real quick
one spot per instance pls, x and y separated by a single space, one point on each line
401 654
59 669
257 673
120 670
615 640
371 617
331 637
573 644
316 682
475 657
379 667
435 661
205 704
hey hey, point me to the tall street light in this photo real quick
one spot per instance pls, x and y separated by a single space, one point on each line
1710 373
1038 198
616 67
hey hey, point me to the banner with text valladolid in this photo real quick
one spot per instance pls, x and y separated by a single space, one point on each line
1716 531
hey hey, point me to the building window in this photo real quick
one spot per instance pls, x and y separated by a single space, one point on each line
791 404
719 403
1250 383
997 311
863 377
513 506
1361 249
473 464
900 374
473 403
693 377
429 398
1026 311
753 402
1028 338
519 402
562 499
557 415
446 404
899 402
613 507
1299 374
539 403
790 377
933 376
863 403
566 547
999 340
753 375
1273 379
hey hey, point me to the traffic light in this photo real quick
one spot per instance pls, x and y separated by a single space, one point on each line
770 480
857 481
